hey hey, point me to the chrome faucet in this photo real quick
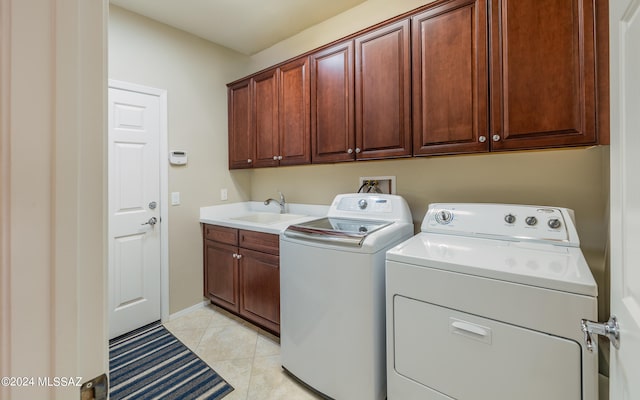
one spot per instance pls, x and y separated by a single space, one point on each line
281 202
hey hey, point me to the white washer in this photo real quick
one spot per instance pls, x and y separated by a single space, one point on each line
332 328
486 304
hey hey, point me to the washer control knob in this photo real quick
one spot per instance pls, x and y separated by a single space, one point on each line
362 204
443 217
531 221
554 223
509 218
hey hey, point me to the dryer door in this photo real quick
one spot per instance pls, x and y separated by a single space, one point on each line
471 358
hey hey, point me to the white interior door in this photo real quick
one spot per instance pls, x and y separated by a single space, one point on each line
134 210
625 196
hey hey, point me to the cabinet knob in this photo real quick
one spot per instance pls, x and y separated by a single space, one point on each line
349 151
234 255
358 150
249 161
275 158
482 139
496 138
279 158
238 256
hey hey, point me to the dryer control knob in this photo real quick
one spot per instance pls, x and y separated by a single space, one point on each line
554 223
509 218
443 217
531 221
362 203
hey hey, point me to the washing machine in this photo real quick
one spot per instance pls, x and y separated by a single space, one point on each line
486 302
332 326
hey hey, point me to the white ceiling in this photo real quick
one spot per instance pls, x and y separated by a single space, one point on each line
247 26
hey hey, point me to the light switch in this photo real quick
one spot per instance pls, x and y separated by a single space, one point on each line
175 198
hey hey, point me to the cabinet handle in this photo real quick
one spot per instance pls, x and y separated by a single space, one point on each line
482 139
349 151
358 150
496 138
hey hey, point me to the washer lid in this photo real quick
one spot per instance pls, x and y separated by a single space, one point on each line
348 232
534 264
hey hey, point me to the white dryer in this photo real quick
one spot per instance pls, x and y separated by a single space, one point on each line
486 304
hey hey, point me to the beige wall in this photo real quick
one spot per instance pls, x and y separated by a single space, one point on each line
194 72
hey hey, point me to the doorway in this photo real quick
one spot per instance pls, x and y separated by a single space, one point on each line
137 213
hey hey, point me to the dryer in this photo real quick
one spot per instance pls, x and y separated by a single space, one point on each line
486 302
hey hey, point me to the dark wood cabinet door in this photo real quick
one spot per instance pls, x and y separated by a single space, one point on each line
294 112
542 73
383 92
221 275
265 121
332 104
260 288
241 137
450 97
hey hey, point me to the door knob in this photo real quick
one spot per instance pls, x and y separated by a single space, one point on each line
152 221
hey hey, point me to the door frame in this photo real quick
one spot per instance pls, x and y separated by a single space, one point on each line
164 186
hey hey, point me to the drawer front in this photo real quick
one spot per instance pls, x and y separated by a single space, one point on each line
265 242
221 234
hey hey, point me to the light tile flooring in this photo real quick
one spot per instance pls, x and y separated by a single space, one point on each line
245 356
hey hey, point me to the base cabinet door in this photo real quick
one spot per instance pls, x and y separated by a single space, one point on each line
221 275
242 273
260 288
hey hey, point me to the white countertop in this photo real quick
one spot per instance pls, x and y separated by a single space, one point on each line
224 215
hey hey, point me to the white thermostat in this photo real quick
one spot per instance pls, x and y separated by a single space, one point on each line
178 157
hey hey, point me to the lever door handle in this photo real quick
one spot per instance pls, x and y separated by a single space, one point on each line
152 221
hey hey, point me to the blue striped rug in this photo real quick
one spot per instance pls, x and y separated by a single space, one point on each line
150 363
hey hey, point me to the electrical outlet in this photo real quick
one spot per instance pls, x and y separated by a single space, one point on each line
386 184
224 194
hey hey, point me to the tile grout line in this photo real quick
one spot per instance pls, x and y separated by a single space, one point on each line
253 361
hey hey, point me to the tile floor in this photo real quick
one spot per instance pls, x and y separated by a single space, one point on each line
245 356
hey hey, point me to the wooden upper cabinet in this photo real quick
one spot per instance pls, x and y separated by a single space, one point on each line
332 104
269 118
265 118
450 97
294 112
383 92
543 80
241 135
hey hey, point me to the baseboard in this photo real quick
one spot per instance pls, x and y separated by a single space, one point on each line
188 310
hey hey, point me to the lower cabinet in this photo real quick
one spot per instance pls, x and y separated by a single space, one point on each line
242 274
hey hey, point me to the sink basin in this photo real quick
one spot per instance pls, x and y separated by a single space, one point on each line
267 218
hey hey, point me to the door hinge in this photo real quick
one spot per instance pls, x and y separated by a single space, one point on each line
609 329
95 389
